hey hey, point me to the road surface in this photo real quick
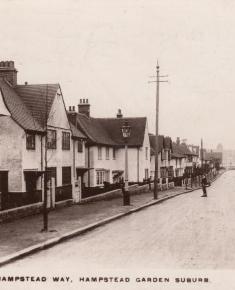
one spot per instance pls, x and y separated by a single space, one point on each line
186 232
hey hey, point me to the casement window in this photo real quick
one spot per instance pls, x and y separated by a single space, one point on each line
169 155
99 153
107 153
66 175
30 141
163 172
146 173
51 139
65 141
170 172
100 177
114 153
163 155
51 173
80 146
146 153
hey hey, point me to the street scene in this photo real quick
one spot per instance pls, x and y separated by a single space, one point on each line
117 146
186 232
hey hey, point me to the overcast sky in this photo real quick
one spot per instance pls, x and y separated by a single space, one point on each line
105 50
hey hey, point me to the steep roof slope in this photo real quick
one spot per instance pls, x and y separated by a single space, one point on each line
107 131
37 98
163 142
18 109
113 127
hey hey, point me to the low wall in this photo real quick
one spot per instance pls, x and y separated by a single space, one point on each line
20 212
28 210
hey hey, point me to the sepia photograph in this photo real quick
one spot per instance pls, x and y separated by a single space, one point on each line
117 153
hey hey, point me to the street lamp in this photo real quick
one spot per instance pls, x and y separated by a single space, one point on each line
126 132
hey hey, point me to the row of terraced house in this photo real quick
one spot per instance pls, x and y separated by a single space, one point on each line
81 154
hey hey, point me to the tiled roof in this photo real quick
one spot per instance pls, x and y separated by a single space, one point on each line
18 109
152 140
163 142
35 98
76 133
94 130
178 151
107 131
113 128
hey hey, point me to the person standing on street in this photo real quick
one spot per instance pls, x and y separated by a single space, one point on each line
204 186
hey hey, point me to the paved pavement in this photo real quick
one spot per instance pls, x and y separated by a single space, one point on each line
187 232
23 233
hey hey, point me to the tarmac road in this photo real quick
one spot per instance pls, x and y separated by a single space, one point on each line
186 232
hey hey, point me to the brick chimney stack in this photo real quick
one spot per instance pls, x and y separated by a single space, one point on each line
8 72
119 114
84 107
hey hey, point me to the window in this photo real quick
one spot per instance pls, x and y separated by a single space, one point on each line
163 172
190 158
65 141
107 153
146 173
170 172
52 173
146 153
99 152
30 141
163 154
66 175
114 153
100 177
169 155
80 146
51 139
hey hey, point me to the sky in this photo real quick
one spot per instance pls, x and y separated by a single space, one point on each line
105 50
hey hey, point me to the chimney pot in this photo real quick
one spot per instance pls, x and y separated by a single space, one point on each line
26 83
84 107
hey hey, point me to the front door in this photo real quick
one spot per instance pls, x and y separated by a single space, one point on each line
3 181
3 188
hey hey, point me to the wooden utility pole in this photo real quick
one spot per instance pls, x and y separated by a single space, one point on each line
202 154
157 81
45 209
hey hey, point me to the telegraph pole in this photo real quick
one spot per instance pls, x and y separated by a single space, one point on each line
45 209
157 81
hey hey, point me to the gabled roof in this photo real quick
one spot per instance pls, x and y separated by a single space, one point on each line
113 128
178 151
163 142
107 131
181 150
36 97
18 109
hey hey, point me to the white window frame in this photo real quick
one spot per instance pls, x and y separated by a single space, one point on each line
99 152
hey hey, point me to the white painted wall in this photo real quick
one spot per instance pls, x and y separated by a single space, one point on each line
11 139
